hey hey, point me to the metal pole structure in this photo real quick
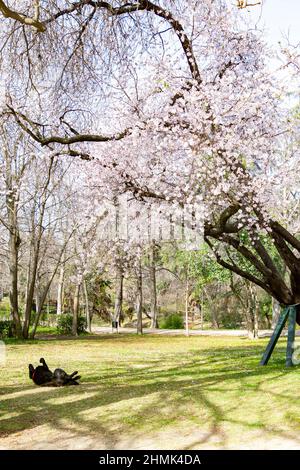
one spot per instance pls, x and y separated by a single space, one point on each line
291 336
274 338
289 313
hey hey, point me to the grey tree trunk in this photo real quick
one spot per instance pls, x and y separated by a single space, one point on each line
86 306
13 173
13 261
153 288
60 290
119 295
75 310
32 273
14 243
38 294
139 299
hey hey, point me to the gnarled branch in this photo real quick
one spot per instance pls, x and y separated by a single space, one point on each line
24 19
24 122
236 269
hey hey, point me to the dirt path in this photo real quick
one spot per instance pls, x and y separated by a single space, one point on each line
43 438
235 333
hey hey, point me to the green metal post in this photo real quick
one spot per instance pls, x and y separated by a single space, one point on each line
274 338
291 335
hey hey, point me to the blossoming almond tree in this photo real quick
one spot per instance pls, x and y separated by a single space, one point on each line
171 101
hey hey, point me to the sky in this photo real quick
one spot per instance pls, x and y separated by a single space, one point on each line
278 18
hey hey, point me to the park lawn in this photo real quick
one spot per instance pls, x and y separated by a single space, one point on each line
151 392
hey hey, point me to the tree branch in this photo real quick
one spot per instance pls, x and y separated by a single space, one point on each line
234 268
68 140
284 233
266 258
286 253
272 280
142 5
21 18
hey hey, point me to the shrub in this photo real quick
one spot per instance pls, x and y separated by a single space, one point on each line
172 322
43 317
6 329
64 324
231 322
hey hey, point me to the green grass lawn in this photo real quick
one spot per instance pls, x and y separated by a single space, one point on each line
151 392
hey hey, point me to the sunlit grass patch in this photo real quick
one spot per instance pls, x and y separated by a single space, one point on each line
134 390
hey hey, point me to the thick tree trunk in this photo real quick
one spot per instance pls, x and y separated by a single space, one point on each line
153 288
86 306
14 243
60 290
75 310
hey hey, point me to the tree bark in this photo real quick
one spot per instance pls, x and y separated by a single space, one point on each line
60 290
14 243
87 310
139 300
32 273
153 288
75 310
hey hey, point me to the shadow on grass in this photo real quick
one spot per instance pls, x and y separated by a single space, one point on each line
136 398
